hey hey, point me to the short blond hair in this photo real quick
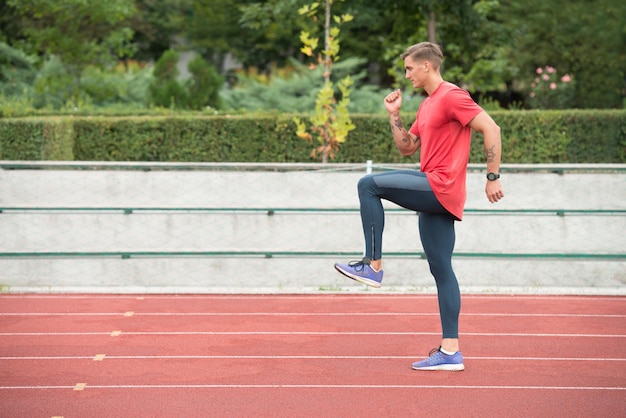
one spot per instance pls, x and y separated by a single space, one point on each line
425 51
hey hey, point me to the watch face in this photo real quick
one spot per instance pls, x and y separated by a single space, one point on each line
493 176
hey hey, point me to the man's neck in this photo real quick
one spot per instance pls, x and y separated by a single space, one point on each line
433 84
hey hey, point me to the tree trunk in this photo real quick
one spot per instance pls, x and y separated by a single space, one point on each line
432 27
327 64
327 58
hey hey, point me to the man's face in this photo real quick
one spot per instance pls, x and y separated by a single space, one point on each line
416 72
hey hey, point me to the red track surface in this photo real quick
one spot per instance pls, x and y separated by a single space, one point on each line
308 356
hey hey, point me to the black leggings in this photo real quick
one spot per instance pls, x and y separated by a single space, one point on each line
411 190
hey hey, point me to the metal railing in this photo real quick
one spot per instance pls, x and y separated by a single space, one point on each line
7 210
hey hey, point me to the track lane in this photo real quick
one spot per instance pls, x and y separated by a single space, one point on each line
343 355
315 402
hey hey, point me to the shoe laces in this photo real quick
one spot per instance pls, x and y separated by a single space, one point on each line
360 265
434 351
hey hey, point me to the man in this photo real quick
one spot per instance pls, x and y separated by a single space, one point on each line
442 129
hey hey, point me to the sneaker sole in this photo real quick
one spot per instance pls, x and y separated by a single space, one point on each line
445 367
359 279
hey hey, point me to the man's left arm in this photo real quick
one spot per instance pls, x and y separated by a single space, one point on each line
484 124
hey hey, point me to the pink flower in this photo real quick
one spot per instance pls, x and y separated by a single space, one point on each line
532 94
566 78
546 77
552 86
550 70
539 70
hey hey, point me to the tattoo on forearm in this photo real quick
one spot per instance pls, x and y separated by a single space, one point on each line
490 153
396 124
398 128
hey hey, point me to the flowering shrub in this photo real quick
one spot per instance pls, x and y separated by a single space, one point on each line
549 91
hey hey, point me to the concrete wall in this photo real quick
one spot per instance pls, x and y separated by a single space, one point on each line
88 224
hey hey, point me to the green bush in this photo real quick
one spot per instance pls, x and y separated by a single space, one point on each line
573 136
37 139
204 85
165 90
200 91
26 92
55 86
215 139
17 73
296 90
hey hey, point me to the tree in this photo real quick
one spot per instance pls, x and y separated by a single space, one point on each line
17 70
165 90
331 122
198 92
204 85
584 39
10 30
157 25
466 30
78 32
490 45
257 34
271 25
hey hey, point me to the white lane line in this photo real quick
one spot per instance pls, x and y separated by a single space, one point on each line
333 296
299 333
311 386
313 314
301 357
337 333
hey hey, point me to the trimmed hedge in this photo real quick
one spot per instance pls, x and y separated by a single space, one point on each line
37 139
590 136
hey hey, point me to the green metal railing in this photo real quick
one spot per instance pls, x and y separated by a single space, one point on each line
300 254
558 169
284 167
272 211
295 254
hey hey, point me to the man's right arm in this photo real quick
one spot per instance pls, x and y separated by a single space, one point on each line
407 143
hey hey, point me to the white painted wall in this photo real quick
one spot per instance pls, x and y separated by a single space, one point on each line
75 231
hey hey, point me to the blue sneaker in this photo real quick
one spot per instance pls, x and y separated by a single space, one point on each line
439 361
361 271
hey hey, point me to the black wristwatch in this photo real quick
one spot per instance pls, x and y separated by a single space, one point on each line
493 176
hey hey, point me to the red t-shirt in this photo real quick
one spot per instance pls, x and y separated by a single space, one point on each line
442 126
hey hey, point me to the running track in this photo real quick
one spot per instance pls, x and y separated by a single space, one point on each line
308 356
